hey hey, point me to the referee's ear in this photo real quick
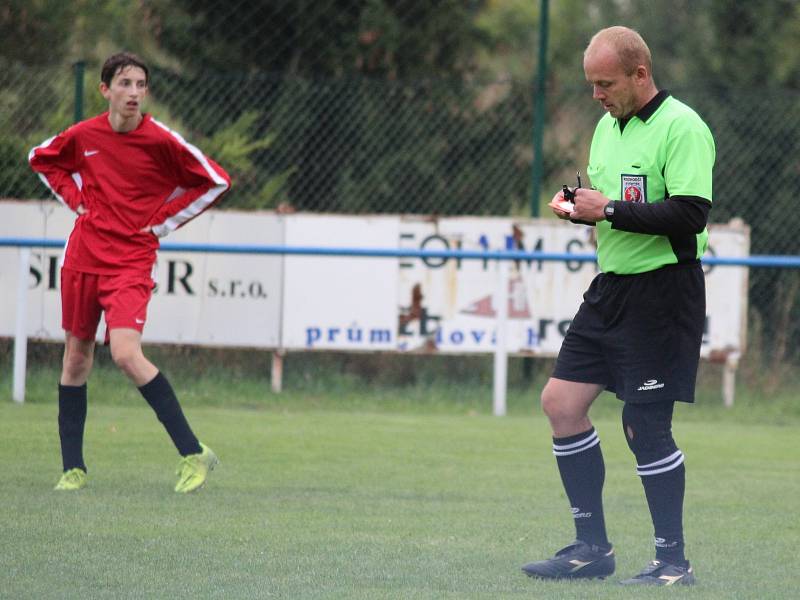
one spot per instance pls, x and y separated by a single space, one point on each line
642 75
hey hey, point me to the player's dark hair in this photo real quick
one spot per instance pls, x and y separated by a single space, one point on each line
116 62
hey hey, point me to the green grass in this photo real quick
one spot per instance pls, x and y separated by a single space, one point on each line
428 384
369 502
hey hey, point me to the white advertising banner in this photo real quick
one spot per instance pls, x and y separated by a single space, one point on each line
310 302
335 302
200 298
726 291
33 220
219 299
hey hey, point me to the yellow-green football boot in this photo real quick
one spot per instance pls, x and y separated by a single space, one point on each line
71 480
193 470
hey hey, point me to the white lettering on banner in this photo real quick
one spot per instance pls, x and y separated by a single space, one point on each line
379 304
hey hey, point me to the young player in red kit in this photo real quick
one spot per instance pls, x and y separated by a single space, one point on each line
131 180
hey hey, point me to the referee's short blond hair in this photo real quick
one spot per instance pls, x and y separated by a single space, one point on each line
630 47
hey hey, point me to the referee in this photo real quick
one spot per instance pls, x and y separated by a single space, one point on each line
639 329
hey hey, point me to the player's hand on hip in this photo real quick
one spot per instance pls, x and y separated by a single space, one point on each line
589 205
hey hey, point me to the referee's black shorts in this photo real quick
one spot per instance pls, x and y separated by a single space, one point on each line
639 335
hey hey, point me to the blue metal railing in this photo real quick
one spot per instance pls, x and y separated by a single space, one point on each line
759 260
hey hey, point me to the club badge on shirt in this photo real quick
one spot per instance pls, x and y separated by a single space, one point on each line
634 188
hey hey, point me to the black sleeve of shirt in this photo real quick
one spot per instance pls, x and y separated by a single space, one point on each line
678 215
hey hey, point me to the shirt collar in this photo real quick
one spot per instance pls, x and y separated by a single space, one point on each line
646 111
651 107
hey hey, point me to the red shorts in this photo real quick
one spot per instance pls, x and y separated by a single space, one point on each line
84 296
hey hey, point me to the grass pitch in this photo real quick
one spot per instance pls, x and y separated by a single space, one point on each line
359 504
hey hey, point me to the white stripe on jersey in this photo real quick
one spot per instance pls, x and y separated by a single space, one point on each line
200 203
31 154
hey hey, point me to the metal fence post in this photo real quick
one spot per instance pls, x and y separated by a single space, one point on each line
538 107
80 69
21 330
501 343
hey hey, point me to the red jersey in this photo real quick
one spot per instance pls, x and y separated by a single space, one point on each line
148 177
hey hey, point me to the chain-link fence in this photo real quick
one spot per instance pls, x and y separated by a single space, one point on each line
445 147
356 129
347 145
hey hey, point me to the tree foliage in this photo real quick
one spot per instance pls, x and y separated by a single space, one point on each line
322 38
33 31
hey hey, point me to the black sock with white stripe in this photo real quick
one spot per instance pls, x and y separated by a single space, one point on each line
664 483
583 472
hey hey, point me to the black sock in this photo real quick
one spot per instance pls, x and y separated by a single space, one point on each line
583 472
71 421
160 396
664 492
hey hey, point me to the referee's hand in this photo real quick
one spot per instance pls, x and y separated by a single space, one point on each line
589 205
557 208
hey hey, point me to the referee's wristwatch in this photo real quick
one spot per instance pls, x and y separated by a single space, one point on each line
608 211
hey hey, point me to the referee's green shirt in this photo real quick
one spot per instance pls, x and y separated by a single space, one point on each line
669 152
